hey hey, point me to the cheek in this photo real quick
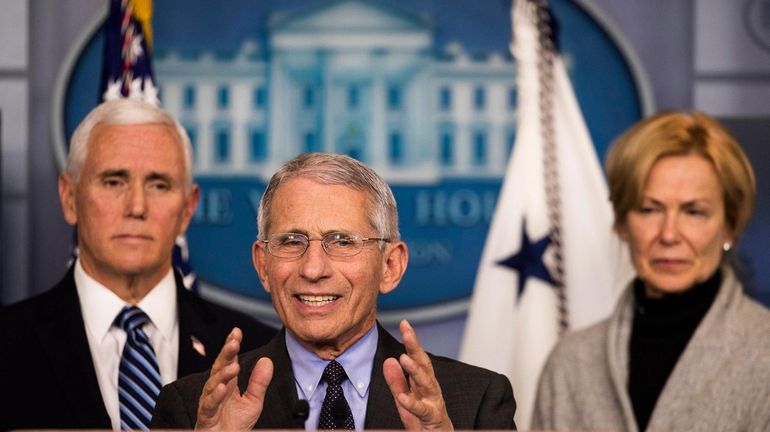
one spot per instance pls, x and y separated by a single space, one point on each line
639 239
95 212
278 275
172 213
365 282
711 247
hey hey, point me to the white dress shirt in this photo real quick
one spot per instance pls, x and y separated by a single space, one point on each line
100 306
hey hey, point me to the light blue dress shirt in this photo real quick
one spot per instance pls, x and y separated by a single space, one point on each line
357 362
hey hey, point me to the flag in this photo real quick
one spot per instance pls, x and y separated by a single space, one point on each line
127 66
127 73
550 262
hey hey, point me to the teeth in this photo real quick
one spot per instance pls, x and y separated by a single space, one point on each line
317 300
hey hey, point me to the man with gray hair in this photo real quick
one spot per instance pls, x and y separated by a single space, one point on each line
93 352
328 245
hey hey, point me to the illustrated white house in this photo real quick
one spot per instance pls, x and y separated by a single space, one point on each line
349 76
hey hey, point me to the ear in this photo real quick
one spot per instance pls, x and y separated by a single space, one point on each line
259 258
67 198
729 237
395 260
189 207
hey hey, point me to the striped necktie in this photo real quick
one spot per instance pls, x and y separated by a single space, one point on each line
138 375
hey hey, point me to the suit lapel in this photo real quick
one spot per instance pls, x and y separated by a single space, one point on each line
281 397
197 343
63 338
381 412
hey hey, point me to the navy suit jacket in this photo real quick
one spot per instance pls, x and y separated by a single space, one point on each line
475 398
46 371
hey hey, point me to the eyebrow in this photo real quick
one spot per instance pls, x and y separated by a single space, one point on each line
122 173
159 176
324 233
113 173
696 201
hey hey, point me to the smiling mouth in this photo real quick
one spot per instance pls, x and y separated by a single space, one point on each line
316 301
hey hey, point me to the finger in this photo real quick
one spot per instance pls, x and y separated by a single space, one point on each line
221 381
217 388
259 380
409 337
415 407
412 343
208 406
229 352
225 376
226 366
394 376
417 364
417 414
422 380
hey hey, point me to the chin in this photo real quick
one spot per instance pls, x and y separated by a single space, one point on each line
669 286
136 267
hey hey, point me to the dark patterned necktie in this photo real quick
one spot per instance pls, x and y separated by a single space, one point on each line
335 411
138 375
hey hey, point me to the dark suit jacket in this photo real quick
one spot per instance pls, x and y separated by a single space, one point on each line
475 398
46 371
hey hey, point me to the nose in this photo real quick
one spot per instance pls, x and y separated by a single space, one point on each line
136 202
670 230
314 264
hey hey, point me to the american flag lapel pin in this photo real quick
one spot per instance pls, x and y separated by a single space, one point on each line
198 346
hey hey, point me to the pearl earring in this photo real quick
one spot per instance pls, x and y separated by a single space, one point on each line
727 246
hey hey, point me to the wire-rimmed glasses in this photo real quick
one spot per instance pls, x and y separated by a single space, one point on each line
338 244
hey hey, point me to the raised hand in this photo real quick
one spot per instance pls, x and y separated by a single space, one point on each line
419 402
221 405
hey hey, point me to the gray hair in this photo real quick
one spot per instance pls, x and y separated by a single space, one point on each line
125 112
336 169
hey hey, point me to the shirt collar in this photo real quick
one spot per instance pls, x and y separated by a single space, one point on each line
99 305
358 361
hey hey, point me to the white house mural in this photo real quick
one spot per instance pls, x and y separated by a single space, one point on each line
350 77
422 91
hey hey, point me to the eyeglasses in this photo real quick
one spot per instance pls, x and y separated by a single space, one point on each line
338 244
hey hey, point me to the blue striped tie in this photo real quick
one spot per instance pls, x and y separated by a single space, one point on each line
138 375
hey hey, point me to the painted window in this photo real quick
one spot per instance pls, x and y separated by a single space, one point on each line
512 98
222 144
223 97
394 98
308 97
446 148
188 97
479 148
259 97
311 142
257 146
353 97
445 99
396 148
479 98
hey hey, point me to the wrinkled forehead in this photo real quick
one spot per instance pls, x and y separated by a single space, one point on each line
308 202
150 146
